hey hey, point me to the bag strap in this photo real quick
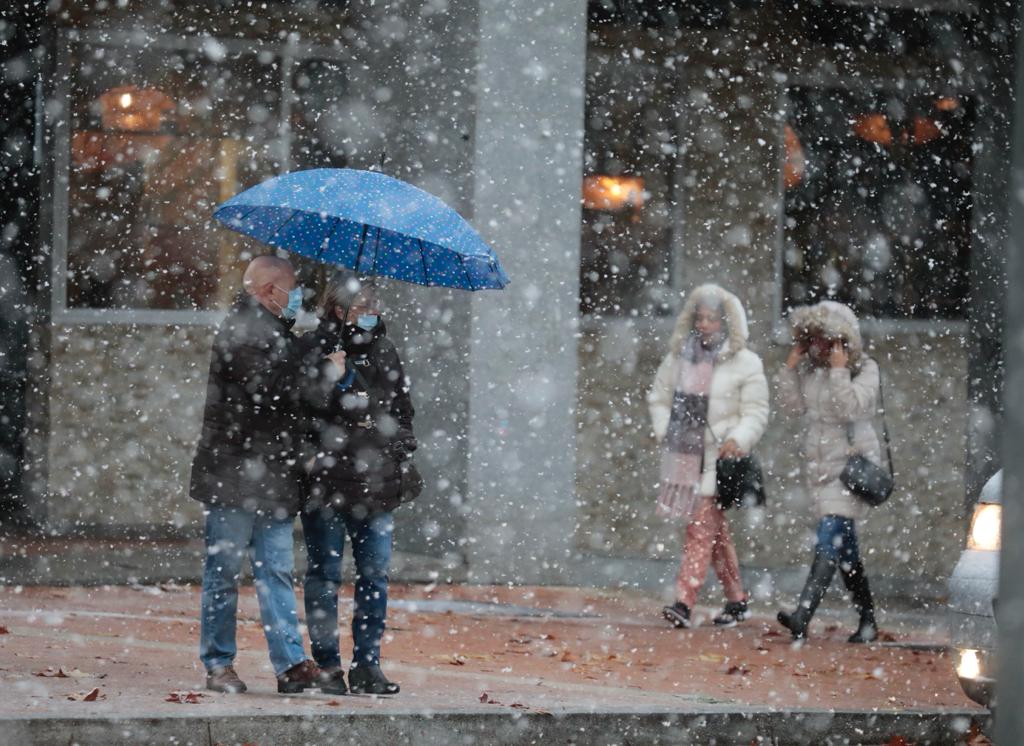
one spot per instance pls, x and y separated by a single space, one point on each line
885 424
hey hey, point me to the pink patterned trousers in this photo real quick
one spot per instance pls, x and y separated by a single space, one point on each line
708 541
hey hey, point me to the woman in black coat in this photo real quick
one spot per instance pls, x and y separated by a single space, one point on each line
362 438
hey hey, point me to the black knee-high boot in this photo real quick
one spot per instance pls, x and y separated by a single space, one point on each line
856 581
818 581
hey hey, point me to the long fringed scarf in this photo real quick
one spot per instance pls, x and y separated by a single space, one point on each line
682 461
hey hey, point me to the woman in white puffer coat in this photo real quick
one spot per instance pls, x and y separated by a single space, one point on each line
709 401
834 387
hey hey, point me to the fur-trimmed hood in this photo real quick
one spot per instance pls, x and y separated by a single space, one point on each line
831 320
732 312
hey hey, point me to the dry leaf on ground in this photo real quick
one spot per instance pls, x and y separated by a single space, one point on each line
52 673
90 696
454 659
184 697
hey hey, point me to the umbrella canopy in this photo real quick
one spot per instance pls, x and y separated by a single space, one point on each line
369 222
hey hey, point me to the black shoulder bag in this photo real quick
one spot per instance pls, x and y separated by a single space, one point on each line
739 481
867 480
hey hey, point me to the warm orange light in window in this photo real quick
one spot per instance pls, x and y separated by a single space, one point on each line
133 109
613 193
875 128
796 163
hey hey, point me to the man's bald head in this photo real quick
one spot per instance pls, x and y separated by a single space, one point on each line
269 279
268 269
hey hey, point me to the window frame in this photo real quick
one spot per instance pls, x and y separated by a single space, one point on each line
881 327
290 51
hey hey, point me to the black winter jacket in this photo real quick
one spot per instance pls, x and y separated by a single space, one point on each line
364 431
258 389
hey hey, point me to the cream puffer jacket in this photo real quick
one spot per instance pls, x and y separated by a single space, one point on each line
830 400
738 403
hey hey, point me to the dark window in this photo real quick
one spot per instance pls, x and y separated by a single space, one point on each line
878 202
629 155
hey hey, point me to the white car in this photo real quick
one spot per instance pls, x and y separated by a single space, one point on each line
973 588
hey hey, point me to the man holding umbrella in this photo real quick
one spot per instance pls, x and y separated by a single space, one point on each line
246 472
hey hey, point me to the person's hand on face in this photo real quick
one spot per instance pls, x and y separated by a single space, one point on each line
730 449
839 357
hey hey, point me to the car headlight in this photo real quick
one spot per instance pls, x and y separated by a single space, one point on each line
969 666
986 526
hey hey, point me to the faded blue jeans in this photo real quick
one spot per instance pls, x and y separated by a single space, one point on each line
837 540
231 534
324 531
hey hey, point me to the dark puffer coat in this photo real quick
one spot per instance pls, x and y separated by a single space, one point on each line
253 423
365 430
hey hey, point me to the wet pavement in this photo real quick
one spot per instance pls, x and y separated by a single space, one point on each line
469 649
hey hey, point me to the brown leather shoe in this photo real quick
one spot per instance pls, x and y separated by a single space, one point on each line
224 680
298 678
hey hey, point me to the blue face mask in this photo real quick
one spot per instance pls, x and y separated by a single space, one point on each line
294 303
367 321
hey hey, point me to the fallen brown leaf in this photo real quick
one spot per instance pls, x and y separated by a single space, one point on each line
486 699
567 657
454 659
898 741
333 703
741 670
4 630
184 697
51 673
90 696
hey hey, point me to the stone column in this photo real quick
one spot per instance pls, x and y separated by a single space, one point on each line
527 169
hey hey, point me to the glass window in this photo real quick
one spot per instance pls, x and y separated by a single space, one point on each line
629 154
322 116
878 202
158 138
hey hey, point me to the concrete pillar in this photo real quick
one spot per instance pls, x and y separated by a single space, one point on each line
1010 609
526 203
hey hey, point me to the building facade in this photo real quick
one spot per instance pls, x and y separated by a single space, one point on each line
614 154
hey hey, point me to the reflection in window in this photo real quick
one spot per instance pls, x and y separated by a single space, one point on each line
878 203
629 151
159 137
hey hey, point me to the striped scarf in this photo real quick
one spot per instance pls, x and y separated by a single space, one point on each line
682 460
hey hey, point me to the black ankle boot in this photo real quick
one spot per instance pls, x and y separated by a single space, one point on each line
856 582
818 581
370 680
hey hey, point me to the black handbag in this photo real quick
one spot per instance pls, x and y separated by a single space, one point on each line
739 481
864 478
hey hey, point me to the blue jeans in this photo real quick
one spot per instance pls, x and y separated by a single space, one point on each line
231 533
837 540
324 531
